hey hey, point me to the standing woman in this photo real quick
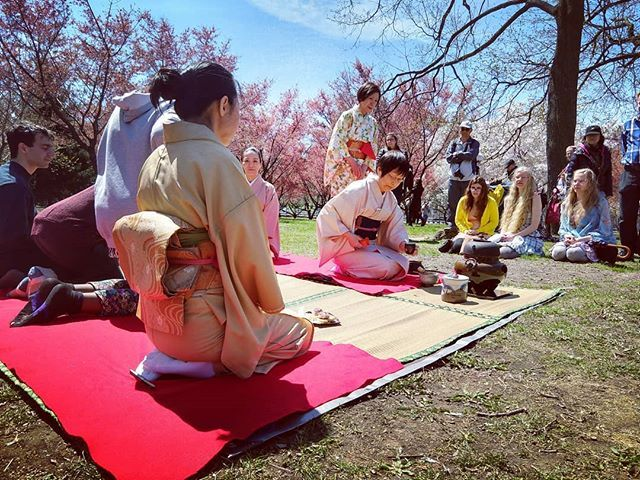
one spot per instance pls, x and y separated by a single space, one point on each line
593 154
391 143
351 152
585 213
252 164
197 250
476 215
521 218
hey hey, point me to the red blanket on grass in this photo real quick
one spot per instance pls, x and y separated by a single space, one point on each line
305 267
80 371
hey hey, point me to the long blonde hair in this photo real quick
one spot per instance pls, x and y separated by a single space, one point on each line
572 206
518 204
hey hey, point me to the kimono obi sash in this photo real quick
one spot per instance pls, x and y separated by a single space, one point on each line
161 270
367 227
360 150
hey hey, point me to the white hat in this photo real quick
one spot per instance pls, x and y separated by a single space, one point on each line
466 124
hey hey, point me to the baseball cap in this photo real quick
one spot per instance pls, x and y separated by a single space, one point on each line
593 129
466 124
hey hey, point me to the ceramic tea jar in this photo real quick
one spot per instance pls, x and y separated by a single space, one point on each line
454 288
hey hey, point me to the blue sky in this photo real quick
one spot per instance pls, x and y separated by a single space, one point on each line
291 42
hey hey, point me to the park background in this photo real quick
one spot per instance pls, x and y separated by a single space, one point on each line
573 365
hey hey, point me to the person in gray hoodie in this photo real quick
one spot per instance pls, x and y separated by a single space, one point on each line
134 131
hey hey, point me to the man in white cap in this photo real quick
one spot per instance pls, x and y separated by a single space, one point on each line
462 157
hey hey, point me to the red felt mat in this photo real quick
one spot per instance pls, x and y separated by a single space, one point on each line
80 371
305 267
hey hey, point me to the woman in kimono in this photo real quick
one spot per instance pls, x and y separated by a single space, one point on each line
266 193
362 228
476 216
519 233
584 217
352 147
197 251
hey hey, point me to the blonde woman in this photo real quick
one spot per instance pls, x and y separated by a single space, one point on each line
521 218
584 216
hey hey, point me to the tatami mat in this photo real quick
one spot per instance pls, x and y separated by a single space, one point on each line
403 325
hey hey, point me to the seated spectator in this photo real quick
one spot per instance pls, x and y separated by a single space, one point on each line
252 165
585 217
53 298
593 154
30 147
476 216
521 218
66 232
362 228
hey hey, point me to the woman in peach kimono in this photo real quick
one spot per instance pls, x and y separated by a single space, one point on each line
362 227
197 251
266 193
350 155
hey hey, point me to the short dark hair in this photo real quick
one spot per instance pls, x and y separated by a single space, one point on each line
393 160
194 89
24 132
368 89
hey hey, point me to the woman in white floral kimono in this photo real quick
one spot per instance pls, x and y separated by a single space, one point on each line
362 227
266 194
350 155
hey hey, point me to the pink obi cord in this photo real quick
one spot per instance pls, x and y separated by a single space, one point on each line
194 261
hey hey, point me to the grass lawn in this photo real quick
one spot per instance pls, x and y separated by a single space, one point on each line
570 370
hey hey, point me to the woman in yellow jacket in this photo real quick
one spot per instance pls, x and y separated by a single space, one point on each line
476 215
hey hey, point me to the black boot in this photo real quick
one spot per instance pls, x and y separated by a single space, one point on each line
446 246
52 299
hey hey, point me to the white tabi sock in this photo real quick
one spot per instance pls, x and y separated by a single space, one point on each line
143 370
164 364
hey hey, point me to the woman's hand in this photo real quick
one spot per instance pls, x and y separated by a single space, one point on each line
354 240
507 237
471 232
413 251
569 239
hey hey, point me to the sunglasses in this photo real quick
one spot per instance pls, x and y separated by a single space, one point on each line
464 128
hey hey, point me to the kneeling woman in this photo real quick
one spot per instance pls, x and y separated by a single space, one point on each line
476 215
197 251
584 216
266 193
521 218
362 228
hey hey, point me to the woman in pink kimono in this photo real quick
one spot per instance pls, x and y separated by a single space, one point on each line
362 228
350 155
266 193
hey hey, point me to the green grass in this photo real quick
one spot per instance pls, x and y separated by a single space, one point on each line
299 237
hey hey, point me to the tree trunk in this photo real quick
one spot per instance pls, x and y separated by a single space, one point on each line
563 87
